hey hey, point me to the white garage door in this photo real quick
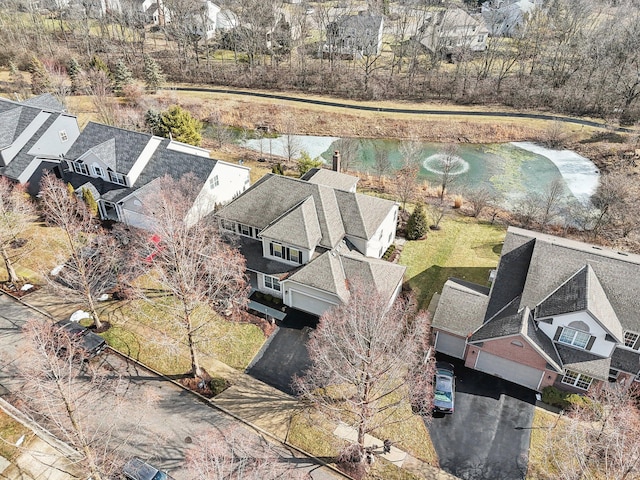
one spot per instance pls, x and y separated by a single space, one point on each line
509 370
306 303
450 345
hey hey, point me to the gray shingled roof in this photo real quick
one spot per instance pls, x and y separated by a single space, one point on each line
581 361
554 260
298 227
362 214
9 126
543 343
331 178
385 276
498 327
324 273
128 145
273 195
46 101
460 308
626 360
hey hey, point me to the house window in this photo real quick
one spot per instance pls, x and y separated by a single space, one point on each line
97 171
630 339
480 38
637 378
117 178
272 282
575 338
295 255
578 380
277 250
227 225
246 230
63 135
214 182
80 168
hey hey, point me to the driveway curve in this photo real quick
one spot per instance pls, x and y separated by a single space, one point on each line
369 108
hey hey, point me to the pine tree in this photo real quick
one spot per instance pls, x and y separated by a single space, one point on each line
153 76
417 223
40 79
90 200
98 64
152 120
122 78
306 163
74 71
179 124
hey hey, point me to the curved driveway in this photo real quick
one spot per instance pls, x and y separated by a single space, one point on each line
369 108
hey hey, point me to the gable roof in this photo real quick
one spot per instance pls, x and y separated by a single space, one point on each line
362 214
9 126
299 226
463 310
582 361
553 260
331 178
46 101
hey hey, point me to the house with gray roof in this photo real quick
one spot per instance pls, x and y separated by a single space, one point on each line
451 31
121 169
34 134
559 312
355 36
305 239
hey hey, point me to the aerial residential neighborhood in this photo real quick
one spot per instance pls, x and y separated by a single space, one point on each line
263 239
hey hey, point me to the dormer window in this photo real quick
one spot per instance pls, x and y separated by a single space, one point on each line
97 171
117 178
575 338
631 340
63 135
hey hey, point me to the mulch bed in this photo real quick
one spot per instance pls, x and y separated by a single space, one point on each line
14 289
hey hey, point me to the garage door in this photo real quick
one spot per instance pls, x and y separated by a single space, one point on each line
306 303
450 345
509 370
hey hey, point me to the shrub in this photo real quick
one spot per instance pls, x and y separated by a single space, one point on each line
560 398
389 252
268 298
218 385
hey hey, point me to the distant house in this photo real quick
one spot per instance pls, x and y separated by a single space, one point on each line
505 17
121 169
304 240
355 35
34 135
452 31
559 312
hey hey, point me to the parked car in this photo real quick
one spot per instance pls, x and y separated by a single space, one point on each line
137 469
91 343
445 388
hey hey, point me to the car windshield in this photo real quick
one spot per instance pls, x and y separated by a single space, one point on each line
443 388
160 476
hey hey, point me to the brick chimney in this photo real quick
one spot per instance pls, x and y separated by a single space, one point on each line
336 161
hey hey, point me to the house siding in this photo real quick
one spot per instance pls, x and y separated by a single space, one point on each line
50 144
600 345
383 237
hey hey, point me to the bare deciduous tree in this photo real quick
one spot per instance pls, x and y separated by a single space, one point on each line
447 168
367 362
232 453
348 148
479 198
437 211
16 213
62 392
93 261
192 264
550 200
599 438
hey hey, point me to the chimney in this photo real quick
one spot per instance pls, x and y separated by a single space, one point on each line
336 161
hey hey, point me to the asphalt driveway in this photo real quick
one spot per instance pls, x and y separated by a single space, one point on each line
488 435
282 357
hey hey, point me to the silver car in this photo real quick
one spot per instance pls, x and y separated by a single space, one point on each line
445 388
136 469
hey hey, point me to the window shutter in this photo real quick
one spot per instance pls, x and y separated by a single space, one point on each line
557 335
590 343
637 344
271 249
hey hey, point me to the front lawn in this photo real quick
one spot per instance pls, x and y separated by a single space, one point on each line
10 432
463 248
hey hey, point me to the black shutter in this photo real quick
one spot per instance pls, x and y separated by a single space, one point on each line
590 342
271 248
637 344
557 335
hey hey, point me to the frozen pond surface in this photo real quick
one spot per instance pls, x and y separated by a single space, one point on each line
511 170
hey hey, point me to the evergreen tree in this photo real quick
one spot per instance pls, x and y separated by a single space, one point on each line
417 223
306 163
179 124
121 78
98 64
40 79
277 169
153 76
152 120
90 200
74 71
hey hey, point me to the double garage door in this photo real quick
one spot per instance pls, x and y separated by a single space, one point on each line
514 372
307 303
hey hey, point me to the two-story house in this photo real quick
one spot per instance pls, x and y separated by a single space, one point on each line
355 36
34 134
452 31
305 239
559 312
506 17
120 167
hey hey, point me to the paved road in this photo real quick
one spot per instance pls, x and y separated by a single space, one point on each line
487 438
159 416
369 108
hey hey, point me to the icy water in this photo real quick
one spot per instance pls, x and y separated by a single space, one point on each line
511 170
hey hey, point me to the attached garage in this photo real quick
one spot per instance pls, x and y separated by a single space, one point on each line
450 345
308 303
509 370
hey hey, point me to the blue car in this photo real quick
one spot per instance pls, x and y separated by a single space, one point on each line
445 388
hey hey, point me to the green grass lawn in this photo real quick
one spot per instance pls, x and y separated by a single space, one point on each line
463 248
10 432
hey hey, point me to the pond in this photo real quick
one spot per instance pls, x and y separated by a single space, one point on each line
511 170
